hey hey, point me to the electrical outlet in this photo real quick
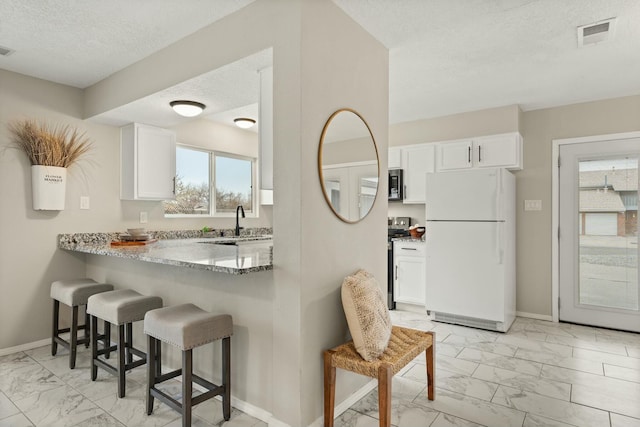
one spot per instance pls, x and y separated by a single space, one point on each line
533 205
84 202
143 217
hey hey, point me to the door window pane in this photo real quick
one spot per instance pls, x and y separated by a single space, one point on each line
192 183
233 183
608 230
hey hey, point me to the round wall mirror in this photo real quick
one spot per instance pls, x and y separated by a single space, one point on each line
348 165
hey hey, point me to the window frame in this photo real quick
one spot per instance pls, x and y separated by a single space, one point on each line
253 213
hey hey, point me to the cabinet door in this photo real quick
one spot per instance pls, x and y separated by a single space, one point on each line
410 279
395 158
155 163
454 155
498 151
416 162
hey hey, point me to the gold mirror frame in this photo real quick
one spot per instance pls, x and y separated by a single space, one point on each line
327 197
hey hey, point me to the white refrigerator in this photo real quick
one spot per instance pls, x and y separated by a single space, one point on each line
470 248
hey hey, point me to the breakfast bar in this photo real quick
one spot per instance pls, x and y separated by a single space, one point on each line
231 255
219 273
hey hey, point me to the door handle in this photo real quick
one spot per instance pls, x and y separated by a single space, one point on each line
174 185
469 155
479 153
396 272
409 249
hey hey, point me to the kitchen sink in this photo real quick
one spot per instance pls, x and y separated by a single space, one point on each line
239 242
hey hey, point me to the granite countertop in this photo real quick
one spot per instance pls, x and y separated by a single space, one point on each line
184 249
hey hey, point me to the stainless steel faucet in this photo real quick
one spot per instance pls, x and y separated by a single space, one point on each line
238 228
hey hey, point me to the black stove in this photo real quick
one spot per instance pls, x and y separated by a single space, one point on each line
394 232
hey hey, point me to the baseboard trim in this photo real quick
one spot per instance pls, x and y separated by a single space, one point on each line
535 316
347 403
24 347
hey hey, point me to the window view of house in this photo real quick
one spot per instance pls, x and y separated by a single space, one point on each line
608 229
233 177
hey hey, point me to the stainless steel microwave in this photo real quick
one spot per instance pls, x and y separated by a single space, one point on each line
396 187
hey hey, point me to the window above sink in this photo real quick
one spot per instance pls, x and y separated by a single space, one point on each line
203 176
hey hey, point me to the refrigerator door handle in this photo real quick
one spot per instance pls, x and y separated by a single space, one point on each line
499 248
499 213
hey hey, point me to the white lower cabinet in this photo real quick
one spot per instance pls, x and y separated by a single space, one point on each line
409 275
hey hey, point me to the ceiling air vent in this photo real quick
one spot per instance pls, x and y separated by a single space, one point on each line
5 51
597 32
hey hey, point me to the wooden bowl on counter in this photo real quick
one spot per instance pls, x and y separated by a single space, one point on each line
417 232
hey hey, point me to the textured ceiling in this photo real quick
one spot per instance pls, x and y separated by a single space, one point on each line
80 42
450 56
446 56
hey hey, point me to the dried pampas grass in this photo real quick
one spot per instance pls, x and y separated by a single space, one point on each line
49 145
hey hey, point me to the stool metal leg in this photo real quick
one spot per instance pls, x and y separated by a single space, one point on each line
87 330
121 361
73 339
151 370
187 387
129 342
107 339
158 350
94 347
226 377
54 331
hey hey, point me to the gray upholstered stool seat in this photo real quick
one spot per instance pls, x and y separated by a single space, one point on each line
74 293
186 327
77 291
121 308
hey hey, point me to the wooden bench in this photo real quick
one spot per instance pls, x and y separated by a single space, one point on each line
405 344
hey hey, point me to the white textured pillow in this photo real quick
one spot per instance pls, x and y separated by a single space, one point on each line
367 314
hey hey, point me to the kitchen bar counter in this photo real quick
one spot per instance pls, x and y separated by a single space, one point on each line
251 254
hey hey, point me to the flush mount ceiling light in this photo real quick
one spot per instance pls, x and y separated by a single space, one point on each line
187 108
244 122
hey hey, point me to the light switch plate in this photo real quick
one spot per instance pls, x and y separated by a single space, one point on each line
533 205
84 202
143 218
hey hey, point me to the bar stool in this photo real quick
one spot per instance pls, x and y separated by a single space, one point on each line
121 308
186 327
74 293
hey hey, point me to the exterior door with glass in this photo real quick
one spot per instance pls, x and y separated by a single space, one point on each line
598 236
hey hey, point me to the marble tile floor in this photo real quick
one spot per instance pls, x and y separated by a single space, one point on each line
37 389
538 374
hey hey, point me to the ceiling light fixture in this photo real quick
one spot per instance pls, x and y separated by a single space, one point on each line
187 108
244 122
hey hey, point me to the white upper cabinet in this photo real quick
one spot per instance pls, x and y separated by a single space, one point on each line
417 160
395 158
494 151
454 155
147 163
498 151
